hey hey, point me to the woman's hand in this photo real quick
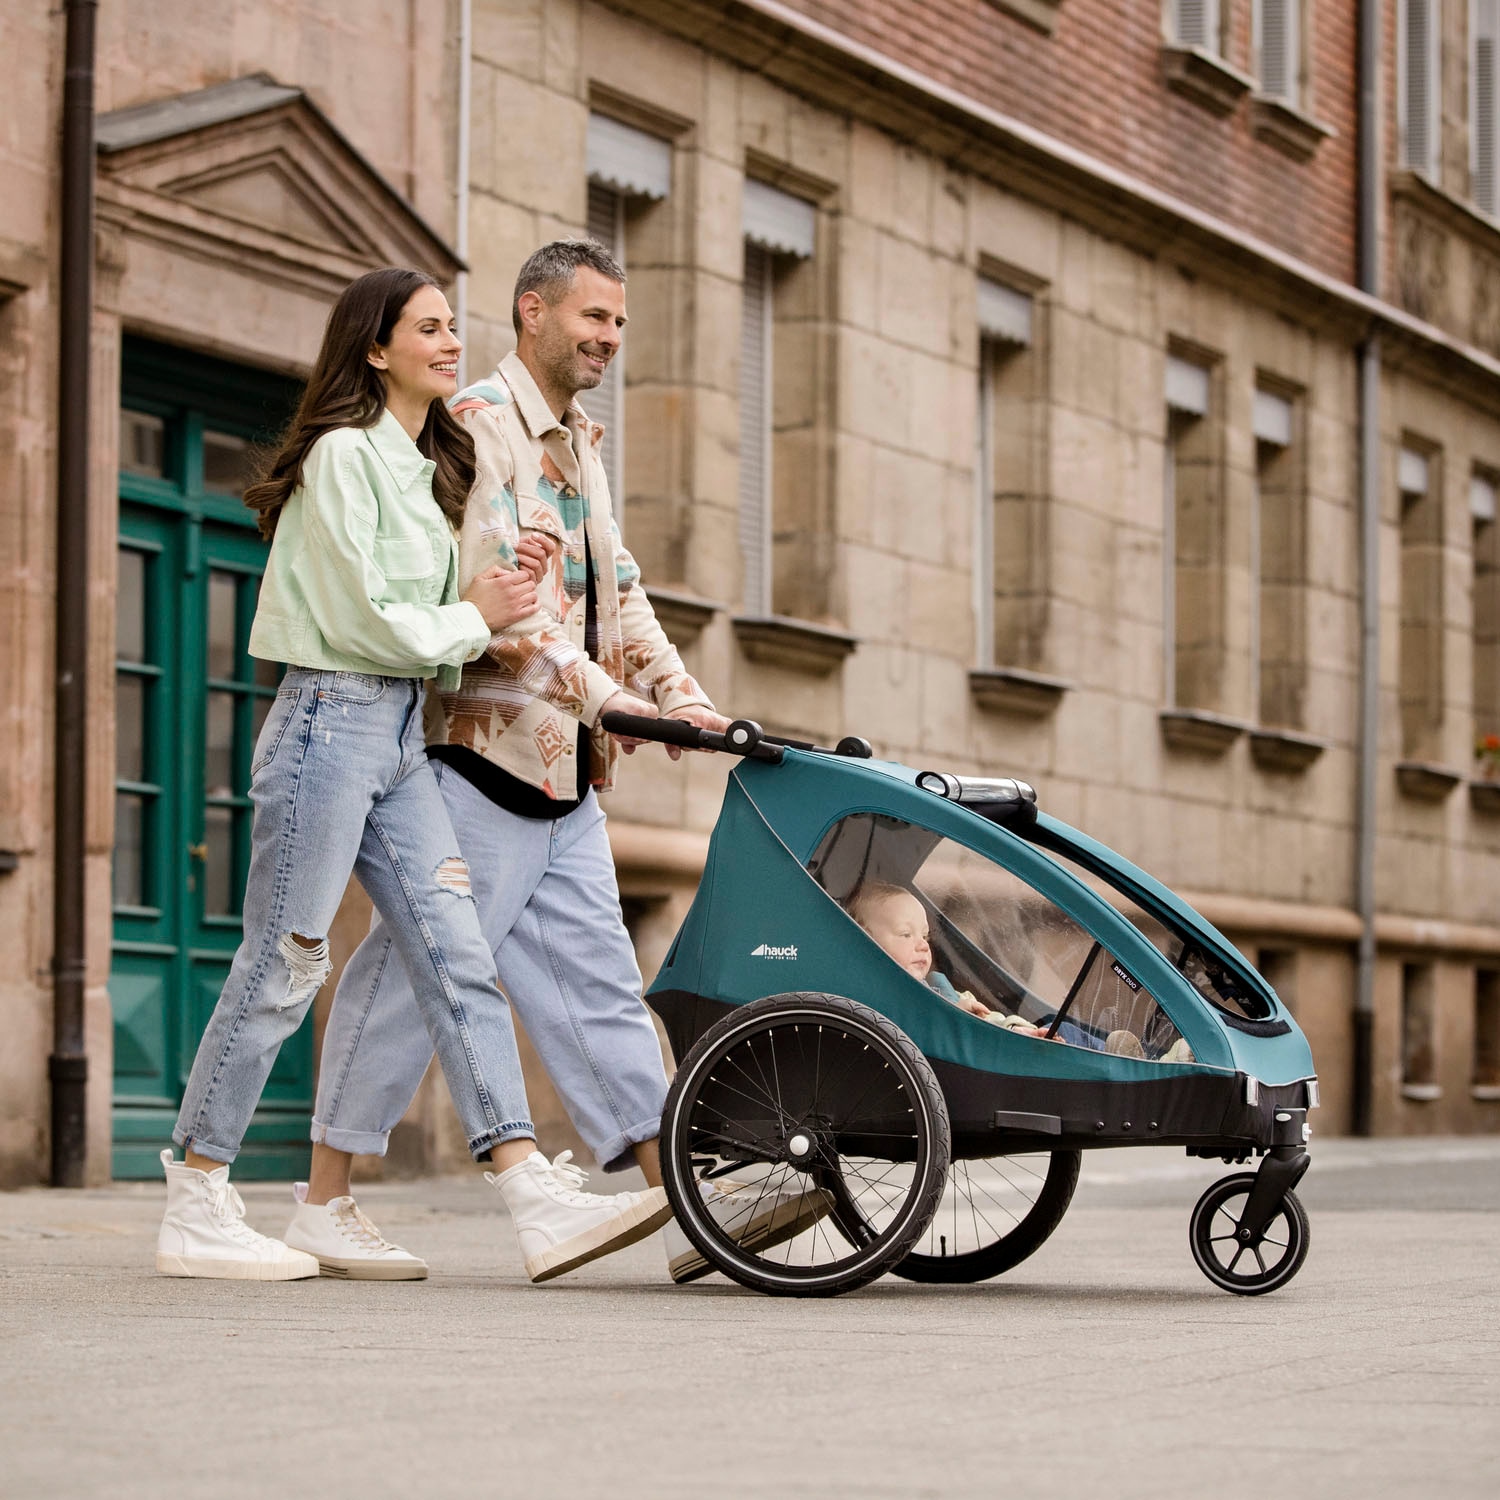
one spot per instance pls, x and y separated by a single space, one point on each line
534 553
503 595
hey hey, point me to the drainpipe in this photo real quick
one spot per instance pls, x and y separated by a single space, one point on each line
68 1067
1369 192
461 187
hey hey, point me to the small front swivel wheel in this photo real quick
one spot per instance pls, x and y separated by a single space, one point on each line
1238 1262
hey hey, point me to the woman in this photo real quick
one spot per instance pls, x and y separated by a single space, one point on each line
360 598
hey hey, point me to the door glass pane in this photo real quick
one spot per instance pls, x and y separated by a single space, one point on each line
222 593
267 673
130 727
129 884
226 463
130 607
218 746
143 444
218 865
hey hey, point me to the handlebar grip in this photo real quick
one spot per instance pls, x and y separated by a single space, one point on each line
661 731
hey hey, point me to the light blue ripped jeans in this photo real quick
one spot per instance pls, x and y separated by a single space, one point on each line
550 909
341 784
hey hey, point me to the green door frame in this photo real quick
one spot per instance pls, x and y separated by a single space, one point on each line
191 564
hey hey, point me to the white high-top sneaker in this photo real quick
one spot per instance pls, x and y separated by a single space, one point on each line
204 1232
756 1216
560 1226
346 1243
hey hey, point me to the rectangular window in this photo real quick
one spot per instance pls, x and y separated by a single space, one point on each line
1418 79
1278 566
1278 49
1421 641
629 170
1011 562
1484 32
785 486
1193 615
1195 23
1486 1071
1486 606
1418 1032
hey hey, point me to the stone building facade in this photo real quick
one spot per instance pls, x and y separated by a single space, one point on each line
992 390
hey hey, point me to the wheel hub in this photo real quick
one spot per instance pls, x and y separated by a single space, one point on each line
801 1147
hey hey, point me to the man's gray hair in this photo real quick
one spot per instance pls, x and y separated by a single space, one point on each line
549 272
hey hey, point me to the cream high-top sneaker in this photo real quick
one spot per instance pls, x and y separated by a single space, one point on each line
560 1226
203 1232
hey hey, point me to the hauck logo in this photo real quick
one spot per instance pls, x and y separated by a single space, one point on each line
769 950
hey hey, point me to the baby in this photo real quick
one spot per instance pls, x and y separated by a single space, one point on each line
898 922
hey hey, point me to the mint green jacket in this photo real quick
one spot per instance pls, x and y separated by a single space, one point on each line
363 571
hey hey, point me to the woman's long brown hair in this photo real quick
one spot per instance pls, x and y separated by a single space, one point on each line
346 390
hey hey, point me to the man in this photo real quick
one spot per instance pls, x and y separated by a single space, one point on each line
520 756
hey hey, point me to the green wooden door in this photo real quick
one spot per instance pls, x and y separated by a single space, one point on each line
189 702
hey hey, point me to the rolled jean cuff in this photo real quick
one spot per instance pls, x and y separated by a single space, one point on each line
354 1142
199 1147
479 1145
616 1152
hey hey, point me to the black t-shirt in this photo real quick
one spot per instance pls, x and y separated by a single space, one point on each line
510 792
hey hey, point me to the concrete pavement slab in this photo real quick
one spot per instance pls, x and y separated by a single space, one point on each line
1105 1366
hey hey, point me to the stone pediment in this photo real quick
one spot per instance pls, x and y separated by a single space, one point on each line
254 172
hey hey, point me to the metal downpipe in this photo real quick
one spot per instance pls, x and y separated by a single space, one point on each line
68 1066
1369 192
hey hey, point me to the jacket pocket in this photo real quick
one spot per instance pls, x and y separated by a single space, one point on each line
408 555
534 514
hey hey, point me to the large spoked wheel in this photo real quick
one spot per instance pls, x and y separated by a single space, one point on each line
804 1145
992 1215
1249 1267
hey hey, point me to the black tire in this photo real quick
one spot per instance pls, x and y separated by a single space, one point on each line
820 1101
992 1215
1275 1257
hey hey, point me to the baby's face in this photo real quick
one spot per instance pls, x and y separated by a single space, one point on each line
899 924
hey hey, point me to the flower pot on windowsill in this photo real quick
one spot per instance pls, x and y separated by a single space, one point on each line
1484 795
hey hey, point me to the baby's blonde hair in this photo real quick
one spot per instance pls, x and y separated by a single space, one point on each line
869 894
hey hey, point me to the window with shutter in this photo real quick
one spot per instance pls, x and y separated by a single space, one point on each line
755 429
1278 37
606 402
1196 23
1417 67
1482 122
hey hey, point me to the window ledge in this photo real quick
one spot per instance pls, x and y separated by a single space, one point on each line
1282 125
681 615
1204 78
777 641
1198 731
1039 13
1284 750
1445 207
1010 690
1484 1092
1422 1093
1425 782
1484 796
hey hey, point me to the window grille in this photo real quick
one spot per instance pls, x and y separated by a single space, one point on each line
1418 69
606 402
1278 38
1482 124
1196 23
755 428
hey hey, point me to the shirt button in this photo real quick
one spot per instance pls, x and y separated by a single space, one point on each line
567 749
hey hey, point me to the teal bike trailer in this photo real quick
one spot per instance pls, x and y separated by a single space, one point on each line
904 1003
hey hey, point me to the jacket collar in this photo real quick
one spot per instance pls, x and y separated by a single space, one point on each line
535 413
396 450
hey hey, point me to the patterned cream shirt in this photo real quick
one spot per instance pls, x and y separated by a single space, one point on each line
518 704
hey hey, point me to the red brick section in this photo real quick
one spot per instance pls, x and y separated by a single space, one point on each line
1097 83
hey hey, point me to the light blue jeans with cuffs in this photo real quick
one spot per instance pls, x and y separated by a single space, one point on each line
550 910
341 784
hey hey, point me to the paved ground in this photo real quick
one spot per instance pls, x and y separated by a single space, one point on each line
1105 1367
